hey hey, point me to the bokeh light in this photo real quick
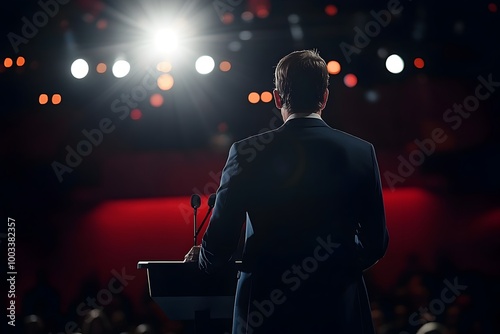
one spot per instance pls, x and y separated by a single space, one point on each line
8 62
419 63
136 114
331 10
350 80
333 67
56 99
266 97
394 64
253 97
79 68
227 18
205 64
247 16
43 99
101 68
165 81
164 66
120 68
492 7
225 66
20 61
166 40
156 100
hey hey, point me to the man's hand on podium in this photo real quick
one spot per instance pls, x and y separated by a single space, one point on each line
193 255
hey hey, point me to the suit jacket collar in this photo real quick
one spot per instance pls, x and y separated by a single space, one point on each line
304 123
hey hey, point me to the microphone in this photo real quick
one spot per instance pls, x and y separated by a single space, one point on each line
195 204
211 203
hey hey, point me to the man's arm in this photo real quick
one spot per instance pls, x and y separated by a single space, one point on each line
374 236
223 232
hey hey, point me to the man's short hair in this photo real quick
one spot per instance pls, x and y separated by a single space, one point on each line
301 79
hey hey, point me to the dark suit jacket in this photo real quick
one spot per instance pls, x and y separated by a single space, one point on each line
311 198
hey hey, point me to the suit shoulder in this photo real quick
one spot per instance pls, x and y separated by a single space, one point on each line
351 139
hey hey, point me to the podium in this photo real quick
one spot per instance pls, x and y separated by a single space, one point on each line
203 302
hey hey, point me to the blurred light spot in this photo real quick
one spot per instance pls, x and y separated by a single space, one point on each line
102 24
394 64
333 67
492 7
166 40
266 97
253 97
165 81
234 46
156 100
8 62
293 19
136 114
262 12
382 53
225 66
43 99
331 10
20 61
371 96
245 35
79 69
350 80
88 18
227 18
121 68
56 99
247 16
101 68
164 66
419 63
205 64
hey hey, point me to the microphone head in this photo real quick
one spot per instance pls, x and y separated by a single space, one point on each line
195 201
211 200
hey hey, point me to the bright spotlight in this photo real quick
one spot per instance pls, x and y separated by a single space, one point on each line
166 40
205 64
394 64
79 68
120 68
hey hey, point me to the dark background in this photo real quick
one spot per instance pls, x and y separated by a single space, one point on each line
129 199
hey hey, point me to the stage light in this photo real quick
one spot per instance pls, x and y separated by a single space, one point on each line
253 97
266 97
166 40
333 67
350 80
164 66
156 100
234 46
225 66
165 81
205 64
43 99
120 68
492 7
136 114
245 35
331 10
394 64
101 68
419 63
247 16
20 61
56 99
79 68
227 18
8 62
371 96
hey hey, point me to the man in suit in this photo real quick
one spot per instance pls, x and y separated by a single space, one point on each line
312 202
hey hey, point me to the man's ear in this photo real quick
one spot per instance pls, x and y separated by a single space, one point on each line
325 99
277 99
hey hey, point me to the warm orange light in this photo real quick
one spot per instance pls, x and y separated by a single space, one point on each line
253 97
8 62
136 114
266 97
101 68
56 99
227 18
20 61
102 24
331 10
419 63
164 66
165 81
43 99
350 80
156 100
333 67
225 66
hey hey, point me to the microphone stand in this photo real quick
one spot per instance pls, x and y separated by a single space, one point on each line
196 232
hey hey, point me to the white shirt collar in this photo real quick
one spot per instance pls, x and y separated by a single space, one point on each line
302 115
